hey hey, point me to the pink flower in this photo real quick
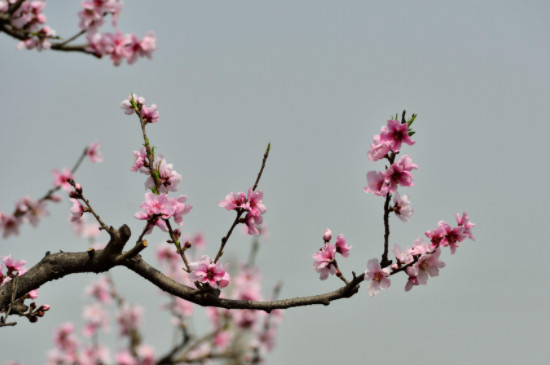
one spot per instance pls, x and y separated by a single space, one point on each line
93 152
100 290
167 253
13 265
62 177
397 133
222 340
129 318
91 17
139 162
402 257
29 15
120 47
436 236
376 183
144 47
96 318
126 105
150 114
167 177
33 210
156 208
247 284
325 262
341 247
252 204
252 224
41 40
179 208
464 222
207 272
379 149
412 281
233 201
148 45
10 224
453 236
402 207
378 277
64 337
100 44
76 210
428 265
397 175
419 247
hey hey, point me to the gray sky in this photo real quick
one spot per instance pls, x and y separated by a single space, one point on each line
317 79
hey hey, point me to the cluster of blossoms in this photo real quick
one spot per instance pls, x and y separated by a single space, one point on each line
251 203
29 20
116 45
247 334
29 17
69 349
29 210
16 268
256 330
325 259
167 178
205 271
387 144
420 261
158 207
26 210
136 104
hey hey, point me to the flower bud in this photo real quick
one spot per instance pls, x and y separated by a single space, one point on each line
328 235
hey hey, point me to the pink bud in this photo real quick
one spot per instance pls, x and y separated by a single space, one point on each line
328 235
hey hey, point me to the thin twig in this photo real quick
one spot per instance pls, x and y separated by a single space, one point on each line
62 44
241 211
133 251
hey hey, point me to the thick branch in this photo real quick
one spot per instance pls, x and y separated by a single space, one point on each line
55 266
57 46
206 298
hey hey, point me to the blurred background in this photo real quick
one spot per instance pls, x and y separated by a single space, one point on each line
317 79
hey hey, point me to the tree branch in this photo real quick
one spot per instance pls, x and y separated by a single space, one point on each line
55 266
